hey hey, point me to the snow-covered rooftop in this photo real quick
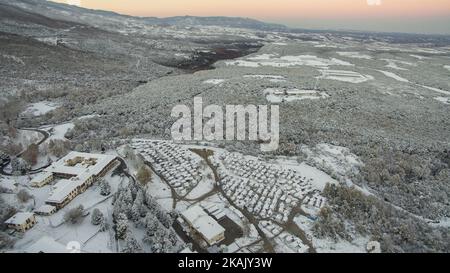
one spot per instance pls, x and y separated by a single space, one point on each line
63 188
203 223
19 218
45 209
40 177
88 163
81 166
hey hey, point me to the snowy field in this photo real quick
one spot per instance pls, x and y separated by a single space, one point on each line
214 81
355 54
275 95
393 76
286 61
344 76
40 108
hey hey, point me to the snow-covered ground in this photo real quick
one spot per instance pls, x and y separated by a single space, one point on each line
58 131
344 76
445 100
419 57
354 54
276 95
40 108
393 76
214 81
23 138
271 78
13 58
286 61
358 245
395 64
88 116
335 160
317 178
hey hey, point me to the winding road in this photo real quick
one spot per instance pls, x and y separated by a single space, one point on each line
45 134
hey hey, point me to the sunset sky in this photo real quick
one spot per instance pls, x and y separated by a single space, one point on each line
421 16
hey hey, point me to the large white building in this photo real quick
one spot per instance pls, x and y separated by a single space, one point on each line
77 172
204 225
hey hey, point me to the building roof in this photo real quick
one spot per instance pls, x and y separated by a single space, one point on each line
45 209
63 188
81 170
203 223
19 218
41 177
101 161
46 245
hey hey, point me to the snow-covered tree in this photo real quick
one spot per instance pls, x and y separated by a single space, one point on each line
121 226
165 219
152 224
135 213
144 175
137 209
127 196
23 196
97 217
31 154
122 204
5 240
19 166
105 188
74 215
131 244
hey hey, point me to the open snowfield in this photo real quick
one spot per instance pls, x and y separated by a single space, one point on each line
275 95
214 81
270 78
445 100
287 61
57 132
393 76
356 55
398 64
344 76
40 108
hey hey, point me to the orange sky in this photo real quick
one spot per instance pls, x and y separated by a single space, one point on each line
293 12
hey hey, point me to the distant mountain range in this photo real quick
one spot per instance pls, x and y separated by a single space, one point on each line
233 22
82 15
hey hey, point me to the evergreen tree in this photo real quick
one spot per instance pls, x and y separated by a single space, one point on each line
97 217
105 188
121 226
131 245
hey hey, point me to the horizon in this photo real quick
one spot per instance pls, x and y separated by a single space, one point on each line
403 16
